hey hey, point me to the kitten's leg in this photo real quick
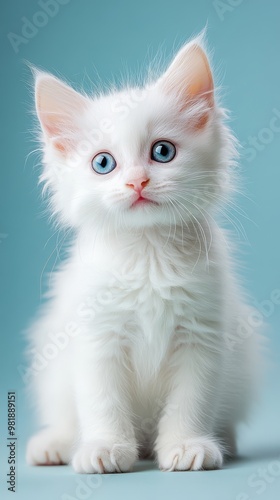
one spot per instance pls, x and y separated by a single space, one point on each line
186 439
108 441
54 396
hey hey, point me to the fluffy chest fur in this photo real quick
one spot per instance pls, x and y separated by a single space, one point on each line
153 291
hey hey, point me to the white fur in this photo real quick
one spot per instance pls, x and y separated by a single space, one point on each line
156 364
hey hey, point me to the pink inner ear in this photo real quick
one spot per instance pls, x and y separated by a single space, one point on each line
55 130
201 80
50 123
190 77
60 146
58 107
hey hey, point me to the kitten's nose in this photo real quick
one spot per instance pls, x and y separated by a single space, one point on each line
138 184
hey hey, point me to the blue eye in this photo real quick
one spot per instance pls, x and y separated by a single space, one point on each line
163 151
103 163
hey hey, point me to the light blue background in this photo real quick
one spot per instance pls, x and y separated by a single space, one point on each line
102 39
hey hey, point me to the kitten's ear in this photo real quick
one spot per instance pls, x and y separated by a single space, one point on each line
58 108
189 77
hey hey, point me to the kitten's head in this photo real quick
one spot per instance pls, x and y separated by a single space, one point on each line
149 156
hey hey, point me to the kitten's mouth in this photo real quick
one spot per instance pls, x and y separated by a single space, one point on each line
143 201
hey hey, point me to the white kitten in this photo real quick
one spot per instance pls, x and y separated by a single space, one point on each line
146 312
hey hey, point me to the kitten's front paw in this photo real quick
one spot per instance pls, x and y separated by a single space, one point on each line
49 447
191 454
100 457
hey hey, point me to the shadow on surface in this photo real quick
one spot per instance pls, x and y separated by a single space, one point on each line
145 465
259 454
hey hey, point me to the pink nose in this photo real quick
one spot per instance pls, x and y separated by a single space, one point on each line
139 184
